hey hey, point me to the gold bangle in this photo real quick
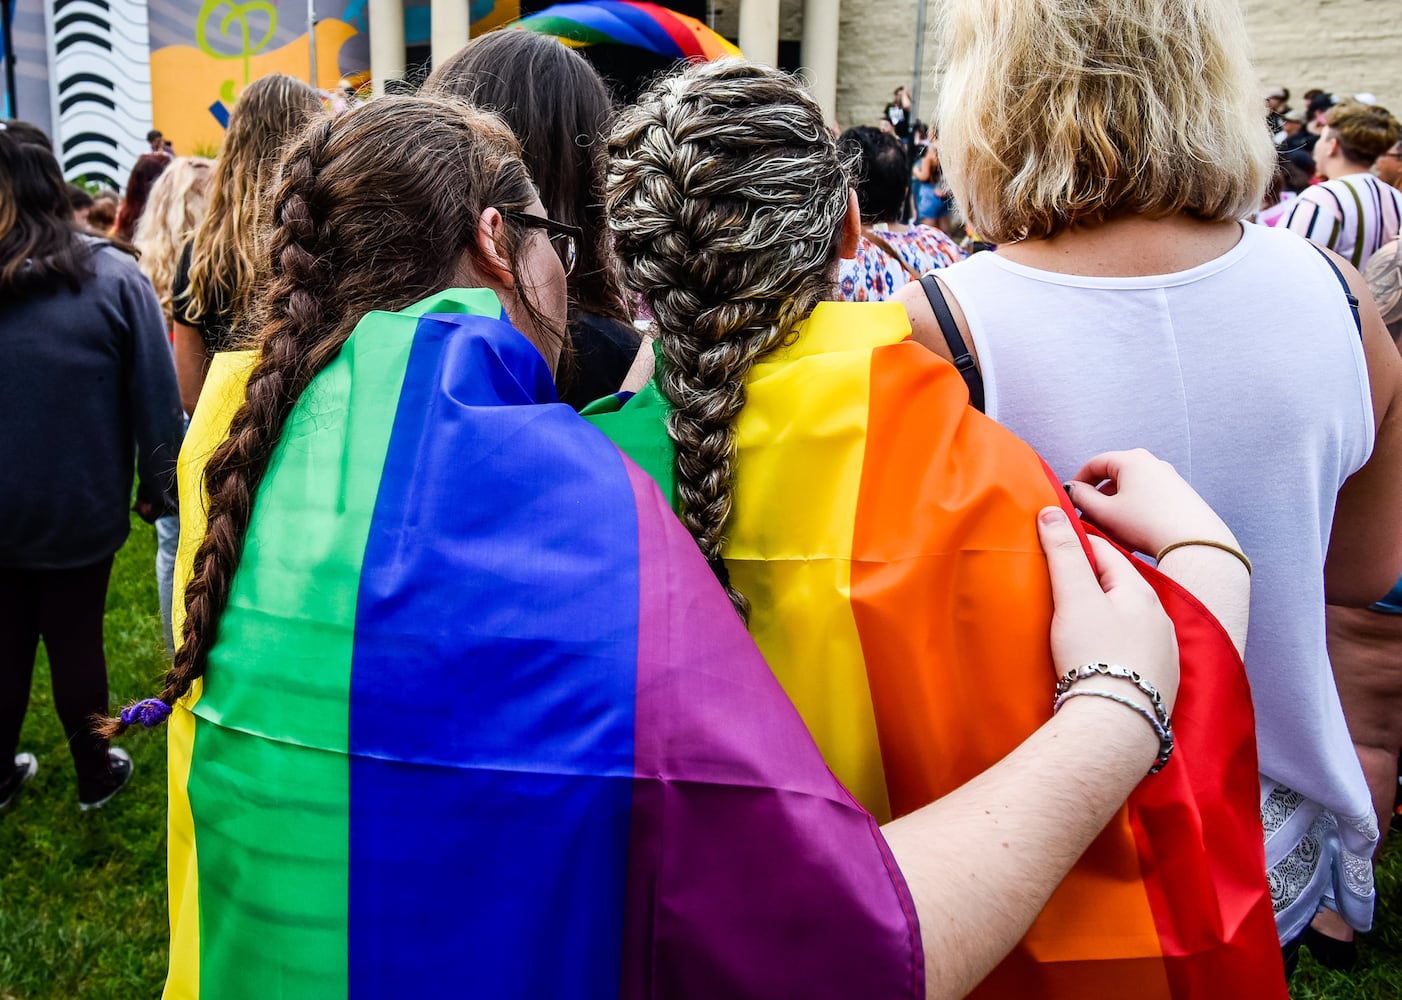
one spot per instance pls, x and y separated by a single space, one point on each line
1210 544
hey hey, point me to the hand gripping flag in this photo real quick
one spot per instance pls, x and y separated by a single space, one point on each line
478 721
885 534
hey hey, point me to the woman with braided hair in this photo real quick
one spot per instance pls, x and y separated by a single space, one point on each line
452 677
876 534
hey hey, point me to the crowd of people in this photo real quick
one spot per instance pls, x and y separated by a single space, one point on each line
650 550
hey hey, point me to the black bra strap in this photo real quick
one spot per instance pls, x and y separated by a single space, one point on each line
963 360
1348 292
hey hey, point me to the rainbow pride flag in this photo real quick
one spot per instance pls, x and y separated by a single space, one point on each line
636 23
885 535
478 721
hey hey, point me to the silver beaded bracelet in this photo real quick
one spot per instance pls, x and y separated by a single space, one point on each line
1158 718
1090 670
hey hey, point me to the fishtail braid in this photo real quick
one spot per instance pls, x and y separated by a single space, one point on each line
726 196
375 209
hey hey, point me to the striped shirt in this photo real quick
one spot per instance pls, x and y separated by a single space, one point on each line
1352 215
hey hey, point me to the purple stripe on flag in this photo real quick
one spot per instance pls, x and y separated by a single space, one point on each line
752 871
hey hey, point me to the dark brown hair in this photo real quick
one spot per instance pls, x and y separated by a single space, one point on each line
40 251
559 108
375 210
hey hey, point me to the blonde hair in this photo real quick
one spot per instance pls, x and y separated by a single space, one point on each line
178 202
268 115
1061 113
726 197
1364 131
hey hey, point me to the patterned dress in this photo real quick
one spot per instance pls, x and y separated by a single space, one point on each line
873 275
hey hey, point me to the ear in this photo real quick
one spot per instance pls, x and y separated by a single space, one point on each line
851 227
491 242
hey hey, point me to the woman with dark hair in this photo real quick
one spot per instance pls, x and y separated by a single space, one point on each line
86 383
149 166
558 107
890 253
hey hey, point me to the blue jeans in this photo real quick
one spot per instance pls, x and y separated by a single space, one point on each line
167 538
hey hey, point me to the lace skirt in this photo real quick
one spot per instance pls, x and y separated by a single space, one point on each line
1315 858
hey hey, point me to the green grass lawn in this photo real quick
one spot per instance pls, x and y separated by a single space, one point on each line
82 895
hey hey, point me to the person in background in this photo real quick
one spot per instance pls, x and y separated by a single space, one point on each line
149 166
177 205
1123 276
157 142
215 278
102 216
1388 166
889 253
1352 213
178 202
81 203
557 105
897 114
933 202
1277 105
1293 135
87 393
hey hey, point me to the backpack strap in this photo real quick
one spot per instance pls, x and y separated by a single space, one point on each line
1348 292
963 360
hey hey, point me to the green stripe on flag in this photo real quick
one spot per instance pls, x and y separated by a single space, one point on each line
269 782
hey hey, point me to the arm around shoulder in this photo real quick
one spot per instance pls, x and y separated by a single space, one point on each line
1365 547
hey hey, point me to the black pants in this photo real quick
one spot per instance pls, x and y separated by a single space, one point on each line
64 607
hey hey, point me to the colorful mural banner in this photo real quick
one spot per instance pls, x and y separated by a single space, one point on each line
98 74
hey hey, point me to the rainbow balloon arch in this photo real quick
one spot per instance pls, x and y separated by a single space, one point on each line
630 22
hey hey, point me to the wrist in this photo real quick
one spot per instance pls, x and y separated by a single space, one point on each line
1112 733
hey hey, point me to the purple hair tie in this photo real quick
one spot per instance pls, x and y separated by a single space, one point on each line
150 712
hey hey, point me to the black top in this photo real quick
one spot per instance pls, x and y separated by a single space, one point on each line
603 352
216 327
87 381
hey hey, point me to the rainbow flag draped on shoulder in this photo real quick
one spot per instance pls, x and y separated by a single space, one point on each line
478 721
885 535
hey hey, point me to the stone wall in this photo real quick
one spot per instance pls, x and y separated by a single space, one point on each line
1344 46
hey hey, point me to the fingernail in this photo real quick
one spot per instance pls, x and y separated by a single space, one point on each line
1052 515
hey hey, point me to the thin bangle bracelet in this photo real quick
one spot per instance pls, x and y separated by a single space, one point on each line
1210 544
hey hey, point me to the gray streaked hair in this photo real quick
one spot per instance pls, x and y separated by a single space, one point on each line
726 197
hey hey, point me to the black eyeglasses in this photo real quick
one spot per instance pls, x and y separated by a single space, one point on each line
563 237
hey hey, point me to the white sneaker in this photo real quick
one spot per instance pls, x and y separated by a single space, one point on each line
26 767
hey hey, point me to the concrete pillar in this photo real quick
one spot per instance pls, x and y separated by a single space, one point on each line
386 42
821 22
759 31
450 24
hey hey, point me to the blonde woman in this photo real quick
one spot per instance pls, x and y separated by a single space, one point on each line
176 205
178 202
215 277
1110 148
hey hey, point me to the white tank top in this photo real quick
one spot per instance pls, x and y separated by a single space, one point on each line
1248 374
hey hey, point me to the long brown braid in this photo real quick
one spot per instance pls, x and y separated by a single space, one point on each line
374 211
726 195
